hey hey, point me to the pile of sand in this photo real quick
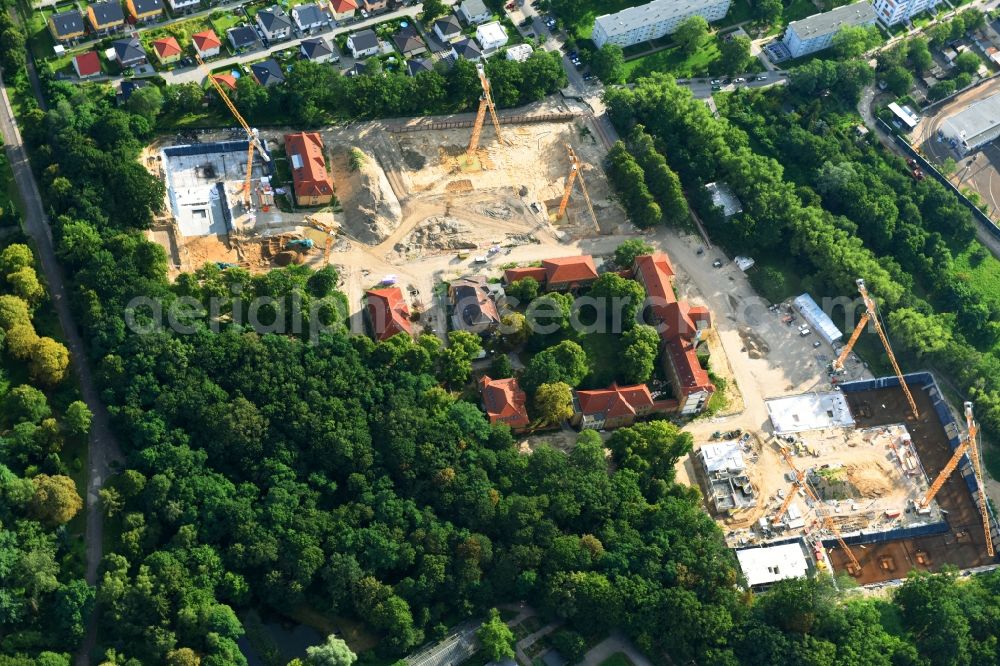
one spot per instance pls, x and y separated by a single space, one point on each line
373 211
439 233
870 479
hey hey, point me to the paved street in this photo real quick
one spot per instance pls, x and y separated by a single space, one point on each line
103 449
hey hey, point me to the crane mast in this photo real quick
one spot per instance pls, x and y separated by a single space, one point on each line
968 445
485 103
871 314
253 140
575 171
855 567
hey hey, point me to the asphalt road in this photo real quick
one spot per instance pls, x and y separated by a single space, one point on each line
103 448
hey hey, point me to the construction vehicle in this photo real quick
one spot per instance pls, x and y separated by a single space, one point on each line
968 445
871 314
485 102
299 244
854 568
575 171
253 137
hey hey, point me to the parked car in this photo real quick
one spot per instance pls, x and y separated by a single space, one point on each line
716 82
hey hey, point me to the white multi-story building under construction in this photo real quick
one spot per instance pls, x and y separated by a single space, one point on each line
653 20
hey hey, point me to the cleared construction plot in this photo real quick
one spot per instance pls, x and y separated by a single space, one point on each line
957 537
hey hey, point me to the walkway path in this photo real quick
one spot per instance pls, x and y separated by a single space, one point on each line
103 449
615 643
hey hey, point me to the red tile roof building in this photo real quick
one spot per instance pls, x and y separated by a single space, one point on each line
207 43
616 406
87 64
562 273
167 49
679 325
227 80
343 8
504 402
313 185
387 313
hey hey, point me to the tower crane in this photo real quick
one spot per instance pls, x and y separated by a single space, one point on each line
253 138
968 445
799 482
485 102
871 314
854 568
575 171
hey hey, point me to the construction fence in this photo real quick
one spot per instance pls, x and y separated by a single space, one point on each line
926 381
420 125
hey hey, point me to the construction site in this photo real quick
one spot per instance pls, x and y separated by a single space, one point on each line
403 190
876 477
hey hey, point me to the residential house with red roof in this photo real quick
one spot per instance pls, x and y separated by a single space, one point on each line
504 402
167 50
343 9
558 274
87 64
313 185
680 326
387 313
206 43
616 406
473 305
225 80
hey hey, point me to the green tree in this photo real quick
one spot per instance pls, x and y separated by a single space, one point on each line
768 12
146 102
456 359
622 299
524 290
77 419
854 41
626 253
734 54
13 310
26 404
641 345
183 656
515 329
554 403
919 54
15 257
12 54
21 340
56 500
24 282
334 652
608 63
570 645
432 9
565 362
898 80
690 33
496 637
941 89
967 62
49 361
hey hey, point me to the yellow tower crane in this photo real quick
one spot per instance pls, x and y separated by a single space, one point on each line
968 445
485 102
253 139
871 314
575 171
854 568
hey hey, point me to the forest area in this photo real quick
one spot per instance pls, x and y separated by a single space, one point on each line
358 480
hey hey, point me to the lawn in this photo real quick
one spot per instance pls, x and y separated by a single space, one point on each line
674 61
602 354
617 659
739 12
981 271
222 21
38 36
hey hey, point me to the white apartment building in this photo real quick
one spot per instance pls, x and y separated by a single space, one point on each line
891 12
816 32
653 20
